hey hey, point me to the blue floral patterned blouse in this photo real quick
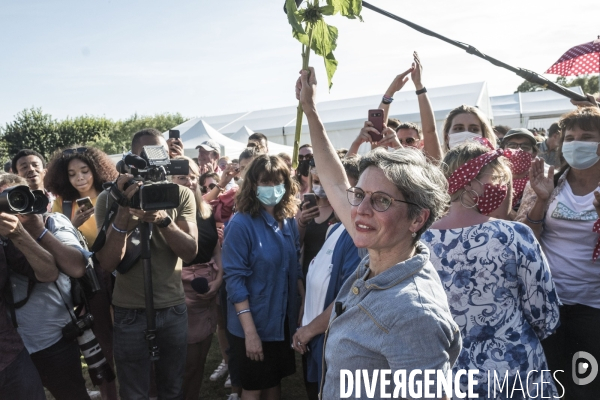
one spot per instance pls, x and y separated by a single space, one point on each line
501 295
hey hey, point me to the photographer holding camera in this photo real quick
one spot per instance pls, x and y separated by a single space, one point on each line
174 237
44 307
20 253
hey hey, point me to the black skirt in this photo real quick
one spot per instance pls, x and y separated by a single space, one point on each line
279 362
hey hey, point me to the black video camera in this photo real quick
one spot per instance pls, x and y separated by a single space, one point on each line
152 168
20 200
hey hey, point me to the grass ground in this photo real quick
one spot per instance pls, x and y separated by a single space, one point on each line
292 386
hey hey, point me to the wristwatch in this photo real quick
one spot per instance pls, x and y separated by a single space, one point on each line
163 223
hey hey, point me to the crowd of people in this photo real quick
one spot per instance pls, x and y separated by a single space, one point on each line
474 252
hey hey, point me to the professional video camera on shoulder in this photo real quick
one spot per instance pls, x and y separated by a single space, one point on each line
152 169
20 200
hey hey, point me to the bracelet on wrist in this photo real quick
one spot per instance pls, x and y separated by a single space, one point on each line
244 311
387 99
117 229
421 91
536 222
42 235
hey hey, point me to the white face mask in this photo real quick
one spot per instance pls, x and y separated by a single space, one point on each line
455 139
319 191
580 155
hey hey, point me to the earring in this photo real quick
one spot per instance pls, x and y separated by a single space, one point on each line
414 234
475 198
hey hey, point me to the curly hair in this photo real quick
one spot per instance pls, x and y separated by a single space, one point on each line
267 168
57 177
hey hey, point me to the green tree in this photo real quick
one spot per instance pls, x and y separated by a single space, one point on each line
31 129
119 139
589 84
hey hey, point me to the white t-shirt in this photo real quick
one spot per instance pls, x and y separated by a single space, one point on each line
568 242
317 278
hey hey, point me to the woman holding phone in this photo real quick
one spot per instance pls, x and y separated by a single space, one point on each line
75 175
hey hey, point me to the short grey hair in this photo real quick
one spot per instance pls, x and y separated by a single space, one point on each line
419 181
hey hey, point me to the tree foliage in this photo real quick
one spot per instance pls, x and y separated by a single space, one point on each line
588 83
33 129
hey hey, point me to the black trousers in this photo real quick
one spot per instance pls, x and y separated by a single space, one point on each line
59 367
579 330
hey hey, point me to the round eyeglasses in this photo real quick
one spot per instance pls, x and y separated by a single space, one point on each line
408 141
380 201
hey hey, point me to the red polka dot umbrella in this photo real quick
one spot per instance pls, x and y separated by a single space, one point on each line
579 60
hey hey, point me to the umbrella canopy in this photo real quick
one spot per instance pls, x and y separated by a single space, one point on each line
579 60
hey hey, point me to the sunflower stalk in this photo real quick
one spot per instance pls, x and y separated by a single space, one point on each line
320 37
300 112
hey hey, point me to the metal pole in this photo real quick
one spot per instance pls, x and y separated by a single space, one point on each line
523 73
149 294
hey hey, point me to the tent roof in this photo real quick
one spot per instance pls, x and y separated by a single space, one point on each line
274 148
196 131
341 114
532 104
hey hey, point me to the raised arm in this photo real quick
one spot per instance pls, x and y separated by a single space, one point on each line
396 85
331 170
40 260
431 142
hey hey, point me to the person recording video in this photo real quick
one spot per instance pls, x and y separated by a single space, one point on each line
174 237
42 305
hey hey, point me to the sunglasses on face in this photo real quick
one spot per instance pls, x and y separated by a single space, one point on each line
380 201
206 189
305 157
408 141
70 152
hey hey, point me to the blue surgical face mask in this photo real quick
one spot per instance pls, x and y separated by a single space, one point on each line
270 196
580 155
319 191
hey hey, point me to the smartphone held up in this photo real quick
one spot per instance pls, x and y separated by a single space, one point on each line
376 118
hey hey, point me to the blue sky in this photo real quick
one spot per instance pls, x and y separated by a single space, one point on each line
201 58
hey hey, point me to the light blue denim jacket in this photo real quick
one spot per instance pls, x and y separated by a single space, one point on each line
397 320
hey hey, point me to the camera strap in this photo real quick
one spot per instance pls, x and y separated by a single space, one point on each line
101 238
69 310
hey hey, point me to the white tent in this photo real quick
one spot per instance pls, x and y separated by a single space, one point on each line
274 148
343 119
531 109
196 131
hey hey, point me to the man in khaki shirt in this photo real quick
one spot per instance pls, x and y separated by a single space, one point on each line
174 238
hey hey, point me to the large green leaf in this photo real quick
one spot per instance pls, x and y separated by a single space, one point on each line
348 8
324 42
292 14
330 66
324 38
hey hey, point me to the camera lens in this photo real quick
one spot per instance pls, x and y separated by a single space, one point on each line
18 201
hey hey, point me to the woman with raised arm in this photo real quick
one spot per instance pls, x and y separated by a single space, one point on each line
426 138
563 212
392 312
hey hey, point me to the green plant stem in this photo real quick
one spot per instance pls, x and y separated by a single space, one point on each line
300 112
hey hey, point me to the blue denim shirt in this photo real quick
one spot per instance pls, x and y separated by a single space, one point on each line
397 320
260 262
